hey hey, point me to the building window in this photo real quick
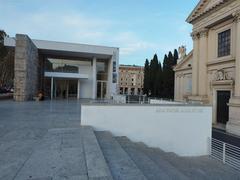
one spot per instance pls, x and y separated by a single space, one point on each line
102 70
224 43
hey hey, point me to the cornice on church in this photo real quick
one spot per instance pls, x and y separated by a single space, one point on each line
199 12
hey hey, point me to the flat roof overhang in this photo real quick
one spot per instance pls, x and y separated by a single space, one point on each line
53 48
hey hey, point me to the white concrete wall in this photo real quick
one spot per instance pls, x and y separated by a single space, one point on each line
86 84
184 130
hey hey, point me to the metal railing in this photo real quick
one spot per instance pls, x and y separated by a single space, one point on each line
227 153
136 99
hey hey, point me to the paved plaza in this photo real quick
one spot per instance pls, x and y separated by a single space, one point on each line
44 141
24 124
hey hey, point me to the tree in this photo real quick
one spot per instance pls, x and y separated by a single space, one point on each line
155 71
6 63
3 49
168 75
165 74
158 78
159 81
146 82
175 57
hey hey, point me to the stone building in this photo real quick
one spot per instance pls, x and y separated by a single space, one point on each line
210 73
62 70
131 79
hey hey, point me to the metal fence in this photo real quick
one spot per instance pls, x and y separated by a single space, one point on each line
137 99
227 153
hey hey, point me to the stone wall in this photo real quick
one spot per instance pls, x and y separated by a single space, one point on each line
25 69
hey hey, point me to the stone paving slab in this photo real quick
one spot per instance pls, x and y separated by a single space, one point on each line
23 126
13 155
64 159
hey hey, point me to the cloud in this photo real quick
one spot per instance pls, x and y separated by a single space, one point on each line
131 43
76 26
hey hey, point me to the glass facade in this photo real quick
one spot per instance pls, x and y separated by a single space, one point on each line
65 87
102 77
63 65
102 70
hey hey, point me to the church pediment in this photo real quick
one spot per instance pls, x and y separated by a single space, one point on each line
202 7
184 63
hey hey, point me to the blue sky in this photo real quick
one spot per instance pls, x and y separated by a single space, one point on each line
139 28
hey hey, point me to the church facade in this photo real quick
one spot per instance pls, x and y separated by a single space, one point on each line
210 73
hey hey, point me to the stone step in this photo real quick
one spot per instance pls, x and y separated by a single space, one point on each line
151 169
194 167
121 165
96 165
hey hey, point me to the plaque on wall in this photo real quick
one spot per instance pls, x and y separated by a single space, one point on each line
114 66
114 78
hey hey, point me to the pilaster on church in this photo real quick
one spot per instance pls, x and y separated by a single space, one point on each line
233 124
199 67
236 16
203 52
195 37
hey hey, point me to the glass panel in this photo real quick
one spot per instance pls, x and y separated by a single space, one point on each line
64 88
60 88
101 89
98 89
104 89
102 69
72 88
63 65
47 87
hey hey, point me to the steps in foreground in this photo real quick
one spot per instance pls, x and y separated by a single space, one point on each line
66 154
159 169
121 165
81 153
96 165
193 167
153 163
196 168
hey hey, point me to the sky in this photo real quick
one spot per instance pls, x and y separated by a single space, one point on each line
140 28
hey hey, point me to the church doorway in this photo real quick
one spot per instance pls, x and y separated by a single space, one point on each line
222 107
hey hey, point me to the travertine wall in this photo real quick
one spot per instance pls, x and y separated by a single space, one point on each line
25 69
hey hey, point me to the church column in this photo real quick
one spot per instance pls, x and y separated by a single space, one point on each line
202 63
182 86
233 125
78 89
195 37
175 86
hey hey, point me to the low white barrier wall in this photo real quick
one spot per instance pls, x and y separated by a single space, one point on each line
182 129
119 99
159 101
